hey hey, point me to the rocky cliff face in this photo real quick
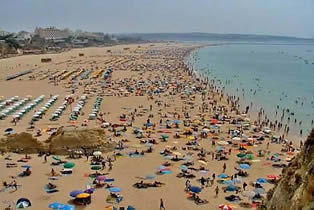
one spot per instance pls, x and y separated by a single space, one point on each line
295 190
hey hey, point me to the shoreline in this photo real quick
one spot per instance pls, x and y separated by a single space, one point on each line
292 135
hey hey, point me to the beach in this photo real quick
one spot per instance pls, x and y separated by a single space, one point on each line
167 126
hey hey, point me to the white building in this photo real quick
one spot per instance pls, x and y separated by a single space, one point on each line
52 33
3 32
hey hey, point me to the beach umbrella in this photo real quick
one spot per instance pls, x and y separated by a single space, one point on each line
259 190
177 121
68 207
110 208
161 167
130 208
236 138
214 121
205 130
241 155
97 153
26 166
223 176
95 167
164 136
220 148
100 178
23 203
222 143
249 194
202 162
114 189
74 193
224 207
195 189
83 195
250 156
69 165
150 176
245 166
261 180
231 188
273 177
191 137
227 182
149 124
203 171
56 205
237 181
184 167
56 158
89 191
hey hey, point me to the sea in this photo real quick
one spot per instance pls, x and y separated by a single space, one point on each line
266 75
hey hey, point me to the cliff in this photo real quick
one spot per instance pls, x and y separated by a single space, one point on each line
295 190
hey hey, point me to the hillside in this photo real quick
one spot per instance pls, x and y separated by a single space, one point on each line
296 188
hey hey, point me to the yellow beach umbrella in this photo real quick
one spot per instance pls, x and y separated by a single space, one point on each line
83 195
191 138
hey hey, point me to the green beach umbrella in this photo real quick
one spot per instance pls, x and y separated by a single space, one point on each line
69 165
250 156
164 136
241 155
56 158
95 168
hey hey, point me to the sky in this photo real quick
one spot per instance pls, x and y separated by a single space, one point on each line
271 17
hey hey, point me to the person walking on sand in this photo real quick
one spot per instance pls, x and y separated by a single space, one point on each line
244 185
162 206
14 184
216 191
224 167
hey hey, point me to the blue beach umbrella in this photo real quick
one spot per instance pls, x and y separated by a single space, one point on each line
261 180
68 207
227 182
195 189
231 188
74 193
89 191
26 166
114 189
166 172
177 121
245 166
149 124
56 205
223 176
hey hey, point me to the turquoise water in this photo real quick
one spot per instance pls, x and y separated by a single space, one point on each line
277 74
